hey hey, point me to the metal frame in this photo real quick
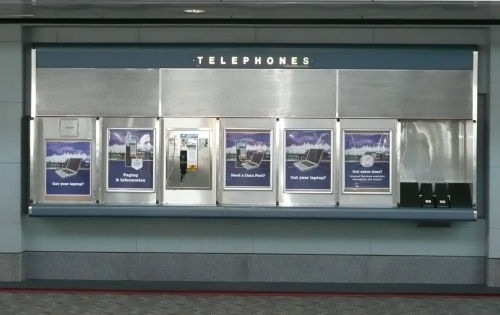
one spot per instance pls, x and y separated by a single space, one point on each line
167 156
475 58
91 171
130 190
367 131
271 147
283 166
190 196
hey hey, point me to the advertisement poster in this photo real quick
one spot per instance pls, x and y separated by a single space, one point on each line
367 161
68 167
131 159
248 158
308 159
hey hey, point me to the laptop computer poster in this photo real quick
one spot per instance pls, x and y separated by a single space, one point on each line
247 158
308 159
130 159
68 167
367 161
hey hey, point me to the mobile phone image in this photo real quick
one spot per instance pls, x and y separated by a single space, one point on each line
130 149
241 152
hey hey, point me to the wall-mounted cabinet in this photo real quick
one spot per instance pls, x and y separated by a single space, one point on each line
270 134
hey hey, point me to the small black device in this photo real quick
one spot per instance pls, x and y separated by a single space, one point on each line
441 193
409 195
460 195
183 163
427 195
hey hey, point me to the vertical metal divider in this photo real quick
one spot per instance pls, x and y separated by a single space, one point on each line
33 192
337 94
98 181
158 182
474 127
161 183
396 192
164 161
33 83
218 158
337 162
214 142
279 160
32 154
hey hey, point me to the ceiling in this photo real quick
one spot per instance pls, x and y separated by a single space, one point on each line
239 11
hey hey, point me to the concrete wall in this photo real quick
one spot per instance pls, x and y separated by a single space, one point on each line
257 250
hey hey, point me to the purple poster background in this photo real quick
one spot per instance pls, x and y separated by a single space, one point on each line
61 180
131 159
248 158
308 159
367 157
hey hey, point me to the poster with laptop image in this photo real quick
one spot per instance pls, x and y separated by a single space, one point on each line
131 159
68 167
367 161
247 158
308 160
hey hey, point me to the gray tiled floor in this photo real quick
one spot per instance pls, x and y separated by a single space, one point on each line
63 303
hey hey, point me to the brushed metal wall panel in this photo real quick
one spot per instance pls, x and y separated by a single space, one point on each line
304 197
193 191
97 92
300 93
48 128
424 94
435 151
368 199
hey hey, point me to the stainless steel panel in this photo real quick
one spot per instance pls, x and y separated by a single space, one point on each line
32 110
132 197
48 128
199 187
299 93
406 94
474 85
248 196
371 199
199 177
435 151
33 160
471 157
305 198
97 92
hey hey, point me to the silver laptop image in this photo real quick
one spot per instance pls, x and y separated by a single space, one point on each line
254 162
313 157
72 167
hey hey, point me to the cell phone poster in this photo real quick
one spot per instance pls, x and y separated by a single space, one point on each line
247 159
308 160
131 159
68 167
367 161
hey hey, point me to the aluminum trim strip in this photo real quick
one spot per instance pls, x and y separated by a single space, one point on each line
419 214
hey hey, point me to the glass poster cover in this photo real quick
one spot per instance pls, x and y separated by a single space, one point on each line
131 157
308 160
247 159
68 167
367 161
